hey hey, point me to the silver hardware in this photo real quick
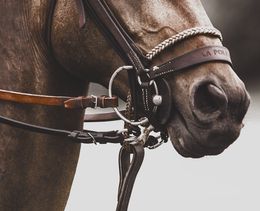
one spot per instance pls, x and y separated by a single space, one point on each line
123 131
94 100
93 139
142 122
155 68
145 134
157 100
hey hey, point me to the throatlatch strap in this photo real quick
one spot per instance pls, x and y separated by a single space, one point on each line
80 102
128 170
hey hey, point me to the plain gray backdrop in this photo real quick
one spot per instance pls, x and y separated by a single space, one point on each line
167 181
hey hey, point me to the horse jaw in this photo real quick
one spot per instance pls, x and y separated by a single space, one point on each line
195 129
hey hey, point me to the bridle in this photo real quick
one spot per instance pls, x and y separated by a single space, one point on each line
150 94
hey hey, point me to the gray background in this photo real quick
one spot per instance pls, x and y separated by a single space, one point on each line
230 181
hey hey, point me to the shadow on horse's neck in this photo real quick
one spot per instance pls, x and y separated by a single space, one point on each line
27 60
36 171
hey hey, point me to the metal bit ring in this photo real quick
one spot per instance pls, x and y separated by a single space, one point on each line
134 123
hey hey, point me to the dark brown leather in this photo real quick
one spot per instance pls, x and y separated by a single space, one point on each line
128 170
158 73
163 112
190 59
66 102
84 136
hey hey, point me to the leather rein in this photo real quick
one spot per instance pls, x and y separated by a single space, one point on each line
147 85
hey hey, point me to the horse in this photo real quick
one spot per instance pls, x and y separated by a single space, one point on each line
44 51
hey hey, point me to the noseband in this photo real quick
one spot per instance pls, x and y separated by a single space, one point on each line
147 83
149 103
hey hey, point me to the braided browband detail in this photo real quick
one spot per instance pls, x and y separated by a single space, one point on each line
182 36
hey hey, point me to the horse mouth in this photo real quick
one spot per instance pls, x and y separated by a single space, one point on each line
190 143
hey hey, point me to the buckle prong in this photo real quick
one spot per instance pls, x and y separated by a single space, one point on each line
93 139
95 101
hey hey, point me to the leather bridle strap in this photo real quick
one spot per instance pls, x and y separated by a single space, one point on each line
62 101
128 170
104 18
120 40
85 136
196 57
156 74
190 59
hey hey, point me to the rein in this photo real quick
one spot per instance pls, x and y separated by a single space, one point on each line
149 92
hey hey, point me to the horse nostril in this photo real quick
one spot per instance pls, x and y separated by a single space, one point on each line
217 96
209 101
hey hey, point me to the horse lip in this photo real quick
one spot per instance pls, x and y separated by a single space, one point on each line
197 149
186 152
179 140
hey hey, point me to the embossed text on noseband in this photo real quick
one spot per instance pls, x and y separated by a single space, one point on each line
215 52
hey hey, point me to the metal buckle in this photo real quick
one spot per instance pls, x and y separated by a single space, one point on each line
95 101
93 139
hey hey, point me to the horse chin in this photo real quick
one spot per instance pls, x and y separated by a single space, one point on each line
192 140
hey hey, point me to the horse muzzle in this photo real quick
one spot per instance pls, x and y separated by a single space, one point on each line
212 120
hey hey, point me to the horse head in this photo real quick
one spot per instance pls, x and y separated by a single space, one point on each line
208 101
45 49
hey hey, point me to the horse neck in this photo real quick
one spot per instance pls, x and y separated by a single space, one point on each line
26 59
27 66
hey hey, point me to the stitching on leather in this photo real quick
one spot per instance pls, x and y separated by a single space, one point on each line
134 61
145 99
163 73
